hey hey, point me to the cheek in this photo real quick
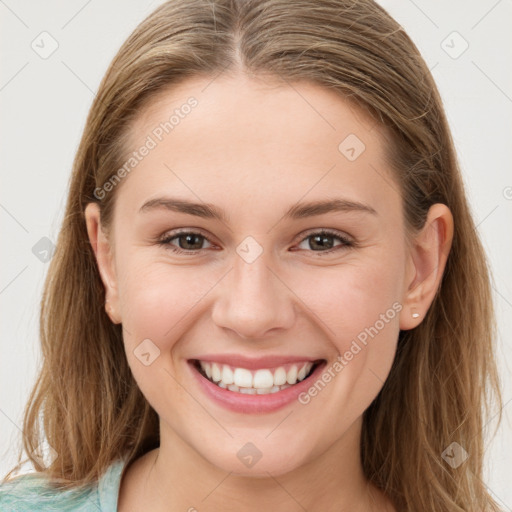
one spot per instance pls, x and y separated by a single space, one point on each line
157 302
350 297
158 299
358 308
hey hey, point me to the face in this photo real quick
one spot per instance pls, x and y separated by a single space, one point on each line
296 304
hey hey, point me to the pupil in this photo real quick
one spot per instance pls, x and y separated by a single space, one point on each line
190 241
322 241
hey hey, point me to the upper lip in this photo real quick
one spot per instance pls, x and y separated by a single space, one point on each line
253 363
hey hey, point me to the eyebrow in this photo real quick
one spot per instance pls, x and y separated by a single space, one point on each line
297 211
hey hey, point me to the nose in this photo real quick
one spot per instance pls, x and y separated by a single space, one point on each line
253 300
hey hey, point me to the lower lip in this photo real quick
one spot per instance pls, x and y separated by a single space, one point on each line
253 404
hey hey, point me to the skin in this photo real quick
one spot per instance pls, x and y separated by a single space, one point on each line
255 148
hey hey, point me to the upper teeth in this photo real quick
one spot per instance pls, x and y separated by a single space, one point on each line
264 378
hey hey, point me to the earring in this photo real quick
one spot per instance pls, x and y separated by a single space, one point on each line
415 315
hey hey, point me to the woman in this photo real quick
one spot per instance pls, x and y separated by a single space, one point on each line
256 299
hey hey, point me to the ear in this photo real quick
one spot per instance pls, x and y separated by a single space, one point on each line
104 257
426 264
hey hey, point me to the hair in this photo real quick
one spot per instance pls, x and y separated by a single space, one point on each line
85 397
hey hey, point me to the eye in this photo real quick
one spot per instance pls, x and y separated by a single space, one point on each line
323 241
188 242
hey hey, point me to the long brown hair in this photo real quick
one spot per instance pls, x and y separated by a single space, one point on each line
86 402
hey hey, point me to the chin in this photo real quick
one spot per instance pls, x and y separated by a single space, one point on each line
248 460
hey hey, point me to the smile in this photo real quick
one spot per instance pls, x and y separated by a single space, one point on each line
260 381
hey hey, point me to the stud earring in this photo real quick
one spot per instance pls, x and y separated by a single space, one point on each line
415 315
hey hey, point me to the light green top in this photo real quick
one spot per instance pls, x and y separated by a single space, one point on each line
30 493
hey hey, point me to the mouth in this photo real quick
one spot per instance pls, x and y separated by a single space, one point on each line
260 381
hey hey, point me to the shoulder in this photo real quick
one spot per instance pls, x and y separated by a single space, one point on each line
32 492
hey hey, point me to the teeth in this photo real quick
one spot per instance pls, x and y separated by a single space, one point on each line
280 376
216 375
291 376
263 379
243 378
227 375
261 382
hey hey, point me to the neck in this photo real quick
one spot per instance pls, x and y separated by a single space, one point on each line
175 478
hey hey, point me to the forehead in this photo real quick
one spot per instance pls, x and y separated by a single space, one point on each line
232 139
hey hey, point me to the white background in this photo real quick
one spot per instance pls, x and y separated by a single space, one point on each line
44 103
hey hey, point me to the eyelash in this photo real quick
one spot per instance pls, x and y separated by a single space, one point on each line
346 243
